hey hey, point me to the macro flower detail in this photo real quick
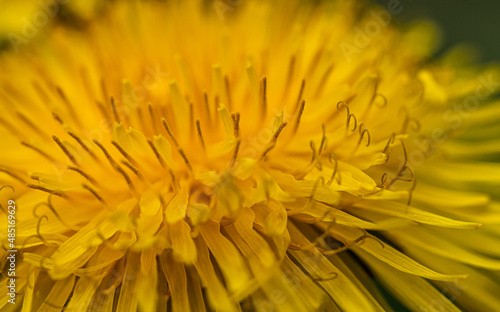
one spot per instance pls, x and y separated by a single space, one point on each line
165 159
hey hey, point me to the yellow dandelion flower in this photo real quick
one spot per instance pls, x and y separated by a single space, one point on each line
245 156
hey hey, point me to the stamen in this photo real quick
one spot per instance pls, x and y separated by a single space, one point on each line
115 113
384 100
291 68
10 173
323 141
186 160
94 192
324 79
38 232
134 170
228 92
299 115
56 117
263 92
335 168
65 150
44 189
179 149
200 134
157 154
387 150
170 134
362 132
83 145
7 186
8 125
207 105
83 174
153 119
408 121
349 121
350 116
54 211
236 124
103 110
36 149
128 180
66 102
312 145
30 124
383 179
235 154
124 154
410 191
301 92
278 131
272 144
106 154
191 118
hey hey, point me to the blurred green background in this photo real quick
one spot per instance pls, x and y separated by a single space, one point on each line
462 21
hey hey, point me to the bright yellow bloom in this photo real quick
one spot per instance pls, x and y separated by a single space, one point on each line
255 156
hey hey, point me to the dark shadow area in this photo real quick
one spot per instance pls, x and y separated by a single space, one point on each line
467 21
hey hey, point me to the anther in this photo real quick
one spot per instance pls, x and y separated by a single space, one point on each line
115 112
299 115
12 174
66 102
291 69
301 93
272 144
313 148
39 151
235 154
236 124
65 150
56 117
124 154
79 141
170 134
83 174
179 149
186 160
228 91
127 179
133 169
200 134
153 119
263 92
94 192
44 189
106 154
157 154
30 124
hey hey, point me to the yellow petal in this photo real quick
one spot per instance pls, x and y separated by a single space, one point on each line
183 245
176 209
422 295
127 302
175 273
404 211
216 292
229 259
